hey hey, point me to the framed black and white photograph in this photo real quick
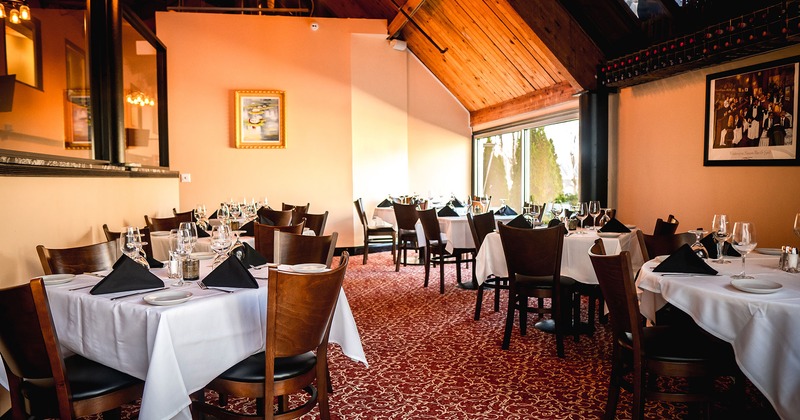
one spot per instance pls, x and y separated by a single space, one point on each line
751 114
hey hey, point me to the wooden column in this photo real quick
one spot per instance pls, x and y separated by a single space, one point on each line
594 146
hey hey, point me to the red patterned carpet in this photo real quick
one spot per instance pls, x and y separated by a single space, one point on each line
428 359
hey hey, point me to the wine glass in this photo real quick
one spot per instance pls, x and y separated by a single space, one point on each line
555 210
221 238
721 231
223 214
183 247
131 245
526 213
235 210
744 241
536 210
192 228
697 247
797 225
582 212
594 211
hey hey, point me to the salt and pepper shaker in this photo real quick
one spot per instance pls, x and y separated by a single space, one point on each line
792 260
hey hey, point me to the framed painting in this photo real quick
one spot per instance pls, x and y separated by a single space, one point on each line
77 120
751 114
259 119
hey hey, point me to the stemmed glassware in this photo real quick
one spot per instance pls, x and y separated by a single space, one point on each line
697 247
183 247
192 228
221 240
744 241
526 213
555 210
594 211
536 210
131 245
200 214
797 225
582 212
721 232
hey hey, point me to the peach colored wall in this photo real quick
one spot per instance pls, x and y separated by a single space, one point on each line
347 94
66 212
659 169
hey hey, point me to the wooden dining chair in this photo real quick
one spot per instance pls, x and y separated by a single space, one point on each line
665 244
481 225
265 237
651 352
293 249
277 217
162 224
184 216
298 212
533 259
78 260
435 252
375 235
668 227
406 217
41 381
316 222
300 310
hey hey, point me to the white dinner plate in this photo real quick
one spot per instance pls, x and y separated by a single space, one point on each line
630 226
51 279
309 268
756 285
202 255
159 233
167 297
608 234
660 258
769 251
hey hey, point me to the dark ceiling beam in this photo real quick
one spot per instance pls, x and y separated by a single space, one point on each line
399 22
342 9
542 98
564 38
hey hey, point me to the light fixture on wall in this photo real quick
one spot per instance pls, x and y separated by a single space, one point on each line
15 10
139 98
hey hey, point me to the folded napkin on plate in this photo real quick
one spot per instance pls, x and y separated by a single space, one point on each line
447 211
201 233
154 263
231 273
505 211
127 275
385 203
711 247
249 256
615 226
519 222
248 228
265 221
684 260
456 203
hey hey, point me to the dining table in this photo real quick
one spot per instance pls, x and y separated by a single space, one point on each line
160 244
756 316
575 260
177 346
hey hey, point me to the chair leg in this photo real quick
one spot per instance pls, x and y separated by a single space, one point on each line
113 414
614 385
479 302
509 321
441 273
366 251
458 268
427 268
497 296
523 315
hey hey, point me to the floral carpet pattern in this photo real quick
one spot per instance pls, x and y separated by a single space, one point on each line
428 359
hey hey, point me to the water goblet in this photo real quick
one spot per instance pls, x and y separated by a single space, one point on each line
221 238
526 213
594 211
582 212
797 225
744 241
192 228
536 210
721 231
555 210
697 247
183 247
131 245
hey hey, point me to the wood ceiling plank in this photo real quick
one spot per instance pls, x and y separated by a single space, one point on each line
543 98
401 19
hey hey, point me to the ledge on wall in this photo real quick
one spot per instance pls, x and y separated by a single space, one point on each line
14 163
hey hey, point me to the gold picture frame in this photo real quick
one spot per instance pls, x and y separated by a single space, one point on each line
77 121
259 119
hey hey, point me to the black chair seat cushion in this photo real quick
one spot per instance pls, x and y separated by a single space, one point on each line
407 233
541 282
671 344
87 379
387 230
252 368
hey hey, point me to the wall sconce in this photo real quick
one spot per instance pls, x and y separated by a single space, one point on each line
15 10
139 98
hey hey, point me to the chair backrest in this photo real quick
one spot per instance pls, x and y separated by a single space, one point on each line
29 344
110 235
406 216
430 225
481 225
278 217
162 224
298 212
316 222
615 276
79 259
655 245
292 249
265 237
668 227
184 216
532 252
362 215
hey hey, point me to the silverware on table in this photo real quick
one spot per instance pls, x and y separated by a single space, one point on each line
204 287
138 293
98 275
82 287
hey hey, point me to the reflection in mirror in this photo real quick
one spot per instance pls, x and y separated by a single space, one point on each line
140 85
23 52
55 118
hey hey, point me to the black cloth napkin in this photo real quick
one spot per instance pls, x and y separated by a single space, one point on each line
447 211
505 211
249 256
231 273
154 263
249 228
684 260
456 203
265 221
201 233
614 225
213 215
127 275
385 203
711 247
556 222
519 222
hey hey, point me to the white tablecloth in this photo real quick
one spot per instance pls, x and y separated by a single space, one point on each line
575 261
175 349
160 244
761 327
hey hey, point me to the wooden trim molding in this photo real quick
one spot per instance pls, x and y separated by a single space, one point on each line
542 98
14 163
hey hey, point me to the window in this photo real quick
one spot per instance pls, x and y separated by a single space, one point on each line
23 52
536 162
